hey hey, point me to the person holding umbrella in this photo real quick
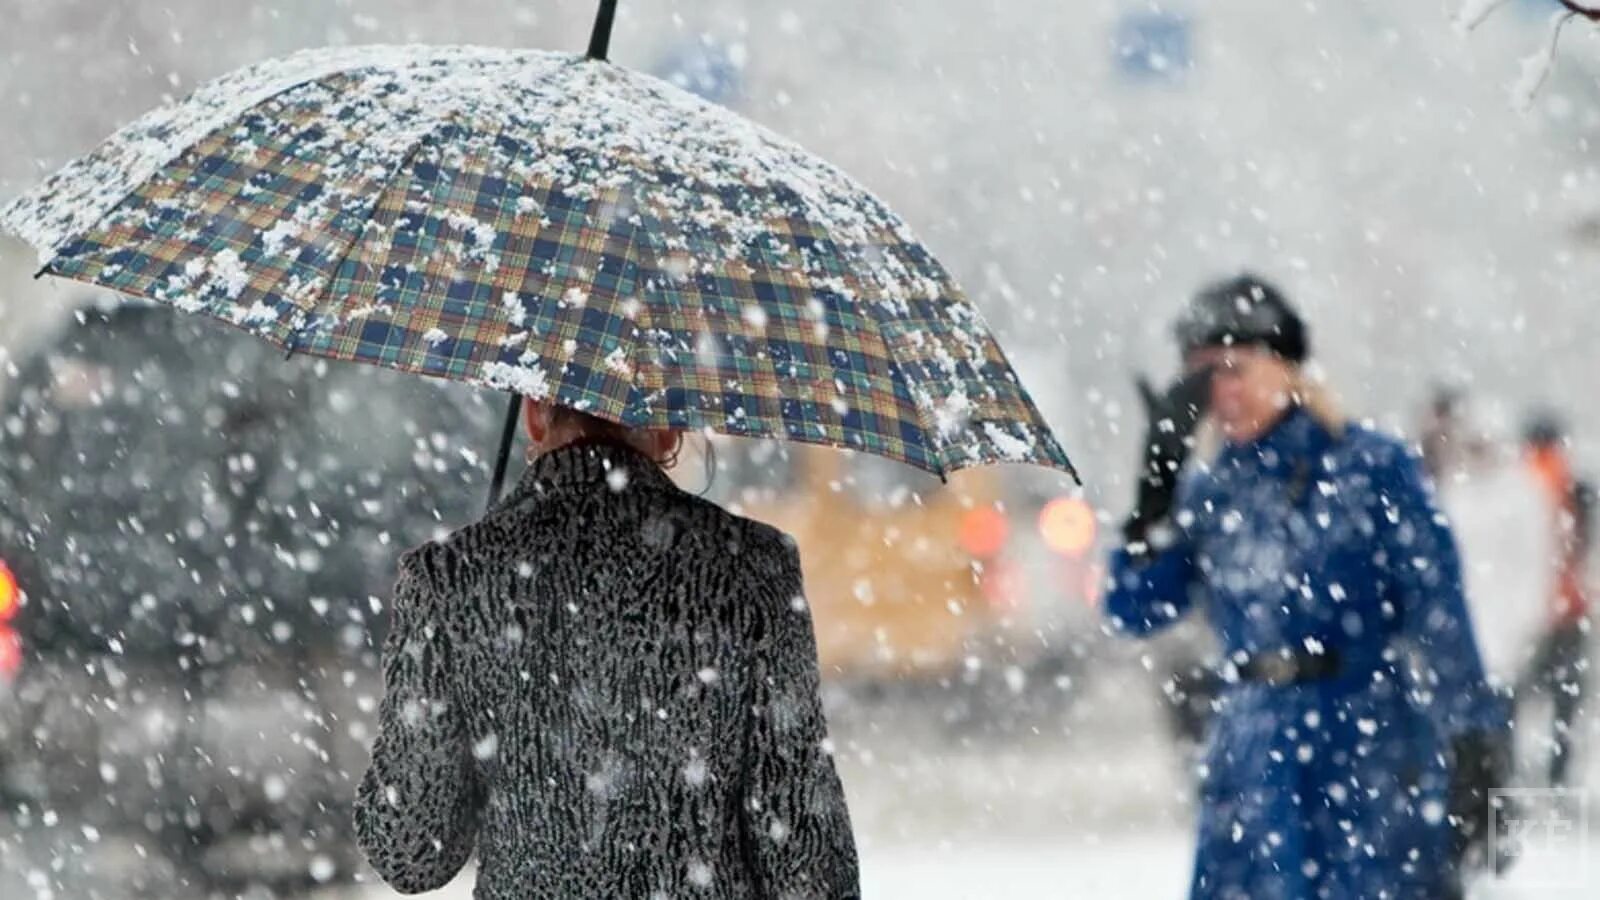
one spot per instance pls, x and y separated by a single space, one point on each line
605 688
608 687
1355 741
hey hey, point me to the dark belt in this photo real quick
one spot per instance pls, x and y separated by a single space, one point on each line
1280 668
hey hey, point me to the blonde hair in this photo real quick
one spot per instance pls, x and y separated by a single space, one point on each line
1310 389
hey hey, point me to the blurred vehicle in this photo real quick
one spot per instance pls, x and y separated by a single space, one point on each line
913 579
893 590
198 541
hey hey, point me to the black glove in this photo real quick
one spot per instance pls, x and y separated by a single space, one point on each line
1172 419
1481 762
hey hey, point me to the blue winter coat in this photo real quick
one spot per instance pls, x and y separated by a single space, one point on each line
1310 540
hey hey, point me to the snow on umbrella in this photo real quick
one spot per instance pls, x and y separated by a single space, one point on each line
548 224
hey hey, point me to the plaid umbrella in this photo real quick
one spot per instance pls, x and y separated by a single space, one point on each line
548 224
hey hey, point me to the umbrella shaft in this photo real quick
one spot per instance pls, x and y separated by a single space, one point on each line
502 459
600 39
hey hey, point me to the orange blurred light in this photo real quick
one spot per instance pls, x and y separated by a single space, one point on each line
8 593
983 532
1067 526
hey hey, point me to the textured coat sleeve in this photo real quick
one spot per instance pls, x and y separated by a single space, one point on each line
797 828
416 812
1424 572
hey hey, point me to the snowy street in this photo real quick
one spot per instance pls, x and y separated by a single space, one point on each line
1143 867
1103 817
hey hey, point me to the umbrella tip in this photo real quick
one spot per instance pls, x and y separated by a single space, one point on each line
600 38
43 271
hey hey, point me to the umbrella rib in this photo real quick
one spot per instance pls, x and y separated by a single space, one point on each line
326 297
451 117
922 414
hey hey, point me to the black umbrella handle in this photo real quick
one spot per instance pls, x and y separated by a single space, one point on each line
600 39
508 434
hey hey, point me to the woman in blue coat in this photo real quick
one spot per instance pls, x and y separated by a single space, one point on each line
1355 741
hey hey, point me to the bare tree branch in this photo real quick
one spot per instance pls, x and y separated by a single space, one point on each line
1536 68
1588 12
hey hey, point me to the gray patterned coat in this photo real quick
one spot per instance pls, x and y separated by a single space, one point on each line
608 688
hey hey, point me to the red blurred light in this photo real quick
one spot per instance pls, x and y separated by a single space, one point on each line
1002 586
983 532
1094 584
1067 526
10 651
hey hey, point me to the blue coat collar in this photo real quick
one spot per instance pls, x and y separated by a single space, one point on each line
1295 437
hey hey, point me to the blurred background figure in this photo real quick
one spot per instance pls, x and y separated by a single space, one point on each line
1559 671
1335 590
1498 513
1447 443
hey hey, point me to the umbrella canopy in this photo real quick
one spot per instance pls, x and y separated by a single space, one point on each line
547 224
